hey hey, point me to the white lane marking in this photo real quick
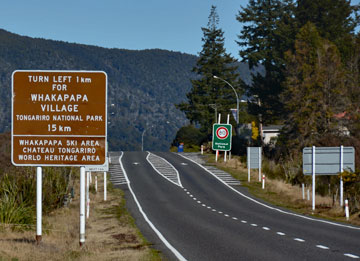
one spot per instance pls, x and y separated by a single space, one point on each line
254 225
188 192
176 171
184 164
214 210
269 207
191 196
235 218
203 205
220 212
352 256
194 198
243 221
226 215
322 247
299 239
208 207
280 233
266 228
199 201
157 232
185 189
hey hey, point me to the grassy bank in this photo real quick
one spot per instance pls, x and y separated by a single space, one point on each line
110 233
280 193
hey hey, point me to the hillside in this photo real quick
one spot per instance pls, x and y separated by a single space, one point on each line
143 86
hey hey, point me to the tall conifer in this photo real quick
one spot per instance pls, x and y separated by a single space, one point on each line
207 92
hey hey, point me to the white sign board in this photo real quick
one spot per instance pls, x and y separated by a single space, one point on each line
98 168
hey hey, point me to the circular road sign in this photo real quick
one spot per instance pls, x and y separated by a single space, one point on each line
222 133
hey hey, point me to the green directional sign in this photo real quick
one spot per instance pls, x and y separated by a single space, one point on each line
221 137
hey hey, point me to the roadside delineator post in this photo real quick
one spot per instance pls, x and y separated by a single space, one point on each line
38 204
202 149
105 186
263 181
96 183
347 209
82 206
303 190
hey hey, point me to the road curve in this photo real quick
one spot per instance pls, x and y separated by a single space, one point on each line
205 220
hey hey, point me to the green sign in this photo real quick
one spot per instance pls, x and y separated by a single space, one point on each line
221 137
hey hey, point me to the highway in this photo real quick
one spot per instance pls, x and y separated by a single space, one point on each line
189 214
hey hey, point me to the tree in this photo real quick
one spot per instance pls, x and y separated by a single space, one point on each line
335 20
314 94
213 61
268 31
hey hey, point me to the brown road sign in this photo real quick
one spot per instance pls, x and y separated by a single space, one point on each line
59 118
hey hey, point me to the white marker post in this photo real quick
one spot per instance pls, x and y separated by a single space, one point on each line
96 183
308 194
217 151
38 204
313 177
88 194
228 120
347 209
259 164
202 149
105 186
248 163
303 190
263 182
341 171
82 206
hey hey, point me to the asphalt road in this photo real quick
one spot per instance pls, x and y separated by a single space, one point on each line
206 220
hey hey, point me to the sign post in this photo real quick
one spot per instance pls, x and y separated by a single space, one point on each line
59 119
254 160
327 161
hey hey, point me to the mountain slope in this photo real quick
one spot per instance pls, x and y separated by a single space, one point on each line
143 86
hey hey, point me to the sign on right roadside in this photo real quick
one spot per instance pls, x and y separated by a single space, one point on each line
328 160
222 137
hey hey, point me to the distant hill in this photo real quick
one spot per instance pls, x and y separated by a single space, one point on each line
143 86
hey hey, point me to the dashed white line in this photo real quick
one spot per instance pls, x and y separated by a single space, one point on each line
243 221
352 256
191 196
203 205
199 201
235 218
208 207
220 212
214 210
266 228
226 215
280 233
299 239
322 247
194 198
253 225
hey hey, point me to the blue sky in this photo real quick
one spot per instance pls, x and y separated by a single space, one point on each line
128 24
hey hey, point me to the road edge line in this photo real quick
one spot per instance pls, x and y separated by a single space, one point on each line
273 208
157 232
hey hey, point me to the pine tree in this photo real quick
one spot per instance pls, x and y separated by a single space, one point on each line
268 31
335 20
207 92
315 89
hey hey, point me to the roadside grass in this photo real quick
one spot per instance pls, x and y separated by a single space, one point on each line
282 194
111 233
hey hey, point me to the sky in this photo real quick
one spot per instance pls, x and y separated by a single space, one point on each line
125 24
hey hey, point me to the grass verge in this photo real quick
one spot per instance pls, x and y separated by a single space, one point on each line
111 234
284 195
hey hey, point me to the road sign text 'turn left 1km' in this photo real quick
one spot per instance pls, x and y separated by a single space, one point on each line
59 118
222 137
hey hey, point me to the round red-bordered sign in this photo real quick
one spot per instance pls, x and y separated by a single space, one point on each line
222 133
